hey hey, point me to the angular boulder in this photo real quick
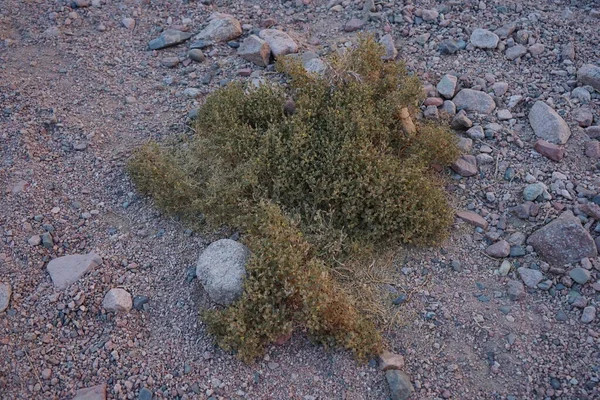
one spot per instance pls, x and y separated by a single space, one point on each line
255 50
280 42
68 269
221 28
475 101
547 124
168 38
563 241
221 269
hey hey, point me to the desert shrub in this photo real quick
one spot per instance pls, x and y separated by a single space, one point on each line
288 287
330 152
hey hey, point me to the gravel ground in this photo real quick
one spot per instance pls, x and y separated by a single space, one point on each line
79 91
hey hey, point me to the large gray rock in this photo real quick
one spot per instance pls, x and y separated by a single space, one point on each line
484 39
68 269
399 383
5 293
280 42
221 269
514 52
589 74
168 38
563 241
117 300
547 124
221 28
255 50
475 101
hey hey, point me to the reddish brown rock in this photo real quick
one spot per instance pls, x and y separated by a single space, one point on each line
472 218
433 101
97 392
549 150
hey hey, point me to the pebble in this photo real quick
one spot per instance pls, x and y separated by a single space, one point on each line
5 294
580 275
354 25
530 277
128 23
484 39
499 249
474 101
547 124
588 314
447 86
117 300
196 55
399 383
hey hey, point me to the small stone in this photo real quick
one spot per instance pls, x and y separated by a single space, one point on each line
474 101
583 116
531 277
117 300
476 133
466 166
139 301
47 240
561 316
568 51
221 270
354 25
517 51
429 15
145 394
580 275
387 41
46 374
170 62
549 150
389 360
505 268
5 293
500 88
447 86
280 42
593 132
35 240
221 28
504 115
255 50
449 108
484 39
592 149
68 269
128 23
589 74
196 55
97 392
536 49
461 121
533 191
448 46
547 124
472 219
465 144
516 290
499 249
399 384
588 314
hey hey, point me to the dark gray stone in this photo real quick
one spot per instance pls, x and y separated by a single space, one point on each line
399 383
168 38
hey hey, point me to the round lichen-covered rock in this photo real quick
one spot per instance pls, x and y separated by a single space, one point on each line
221 269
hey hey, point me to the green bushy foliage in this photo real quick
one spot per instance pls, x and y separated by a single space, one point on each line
338 162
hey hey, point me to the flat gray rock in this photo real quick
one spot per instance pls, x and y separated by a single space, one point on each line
5 293
474 101
514 52
68 269
447 86
530 277
589 74
547 124
221 28
280 42
168 38
563 241
221 269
